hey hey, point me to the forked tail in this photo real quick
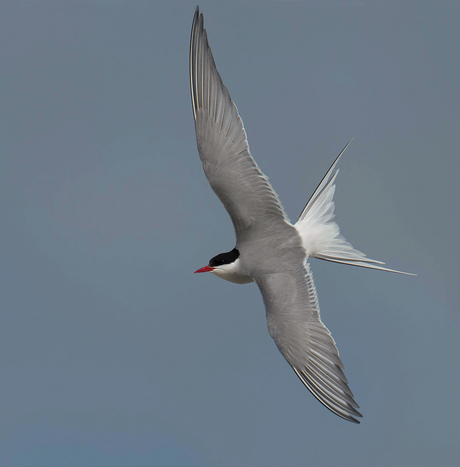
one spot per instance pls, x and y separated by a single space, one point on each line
321 235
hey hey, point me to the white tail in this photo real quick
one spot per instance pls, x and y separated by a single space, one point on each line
321 235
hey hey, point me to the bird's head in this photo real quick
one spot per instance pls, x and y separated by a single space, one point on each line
227 266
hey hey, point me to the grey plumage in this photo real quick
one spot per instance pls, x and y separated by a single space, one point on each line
273 252
278 267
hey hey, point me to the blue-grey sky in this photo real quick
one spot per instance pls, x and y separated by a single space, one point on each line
112 352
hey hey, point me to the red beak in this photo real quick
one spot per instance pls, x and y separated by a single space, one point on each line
205 269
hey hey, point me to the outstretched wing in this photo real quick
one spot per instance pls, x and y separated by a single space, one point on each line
231 171
294 322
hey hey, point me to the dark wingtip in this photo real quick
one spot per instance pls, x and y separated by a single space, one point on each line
196 15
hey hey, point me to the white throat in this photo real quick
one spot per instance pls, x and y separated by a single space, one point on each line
232 272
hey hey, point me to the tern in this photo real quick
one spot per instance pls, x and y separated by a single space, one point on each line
270 250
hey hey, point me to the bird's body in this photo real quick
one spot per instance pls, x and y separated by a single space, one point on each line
270 250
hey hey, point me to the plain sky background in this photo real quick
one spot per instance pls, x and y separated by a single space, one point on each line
112 352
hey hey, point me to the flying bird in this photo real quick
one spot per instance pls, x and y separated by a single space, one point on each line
270 250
